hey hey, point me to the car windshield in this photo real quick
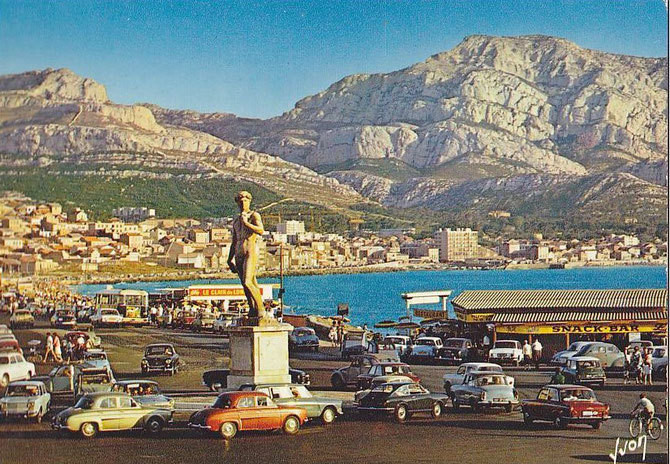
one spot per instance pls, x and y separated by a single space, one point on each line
299 391
504 345
22 390
303 332
659 353
575 346
490 380
577 395
587 364
159 350
96 356
454 343
94 379
425 341
84 403
137 389
110 312
395 369
583 350
222 402
385 388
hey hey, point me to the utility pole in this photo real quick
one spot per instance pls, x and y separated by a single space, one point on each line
281 279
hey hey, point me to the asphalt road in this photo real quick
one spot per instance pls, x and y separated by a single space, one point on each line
458 437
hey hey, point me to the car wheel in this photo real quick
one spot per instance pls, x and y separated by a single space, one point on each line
291 425
337 381
328 415
401 414
437 410
214 387
596 425
527 419
89 429
559 423
5 381
154 425
228 430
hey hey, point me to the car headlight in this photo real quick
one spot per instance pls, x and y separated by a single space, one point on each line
144 361
31 405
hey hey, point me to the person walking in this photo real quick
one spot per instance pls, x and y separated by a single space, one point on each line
527 352
49 348
537 352
332 335
58 352
626 365
646 369
636 364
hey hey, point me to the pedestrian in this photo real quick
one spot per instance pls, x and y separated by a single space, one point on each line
49 347
58 352
332 335
626 365
154 313
537 352
636 364
527 354
646 368
340 333
558 378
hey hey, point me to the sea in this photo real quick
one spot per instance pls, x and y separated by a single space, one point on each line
373 297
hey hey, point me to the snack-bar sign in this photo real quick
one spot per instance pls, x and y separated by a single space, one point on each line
589 328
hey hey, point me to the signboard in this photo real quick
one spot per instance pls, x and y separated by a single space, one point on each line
430 313
586 328
343 309
424 300
481 317
224 292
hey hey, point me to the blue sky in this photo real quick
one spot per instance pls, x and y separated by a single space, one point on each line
257 59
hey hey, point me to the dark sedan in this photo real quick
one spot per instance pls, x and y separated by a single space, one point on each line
303 338
402 400
160 357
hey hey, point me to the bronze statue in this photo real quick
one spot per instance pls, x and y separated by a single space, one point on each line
243 256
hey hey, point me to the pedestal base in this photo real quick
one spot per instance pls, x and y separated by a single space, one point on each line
259 354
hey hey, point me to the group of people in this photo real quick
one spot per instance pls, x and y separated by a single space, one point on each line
638 366
63 349
532 353
336 333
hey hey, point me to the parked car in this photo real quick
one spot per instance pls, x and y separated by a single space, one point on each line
584 370
467 368
609 355
217 379
96 358
364 380
425 348
26 399
184 319
104 412
485 390
21 318
91 340
203 321
106 317
72 380
402 400
303 338
10 345
240 411
402 343
561 358
565 404
160 357
317 407
224 322
63 319
354 344
14 367
659 361
375 382
145 392
506 351
344 376
455 350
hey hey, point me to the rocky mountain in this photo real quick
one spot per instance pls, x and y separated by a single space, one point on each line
57 119
530 112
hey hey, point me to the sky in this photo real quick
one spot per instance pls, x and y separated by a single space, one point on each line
256 59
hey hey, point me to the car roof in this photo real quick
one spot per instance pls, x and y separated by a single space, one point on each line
507 340
95 395
235 395
27 382
159 344
567 386
128 382
584 358
262 385
480 364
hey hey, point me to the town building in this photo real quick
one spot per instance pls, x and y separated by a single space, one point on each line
458 244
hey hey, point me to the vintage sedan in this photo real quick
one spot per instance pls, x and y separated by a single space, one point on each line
485 390
303 338
104 412
506 351
21 318
565 404
425 348
145 392
561 358
317 407
584 370
364 381
217 379
161 357
402 400
204 321
27 399
377 381
466 368
64 319
241 411
13 366
610 356
344 376
455 350
96 358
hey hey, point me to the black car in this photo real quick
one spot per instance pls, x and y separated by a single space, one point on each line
402 399
217 379
161 357
303 338
455 351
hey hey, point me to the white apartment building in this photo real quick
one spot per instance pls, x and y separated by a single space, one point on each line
291 227
457 245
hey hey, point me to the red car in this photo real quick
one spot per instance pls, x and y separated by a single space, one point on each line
363 381
235 411
565 404
10 345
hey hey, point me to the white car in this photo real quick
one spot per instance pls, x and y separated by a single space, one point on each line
426 347
467 368
223 322
402 343
4 329
506 351
561 358
14 367
106 317
659 359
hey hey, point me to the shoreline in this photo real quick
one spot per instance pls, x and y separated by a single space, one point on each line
375 268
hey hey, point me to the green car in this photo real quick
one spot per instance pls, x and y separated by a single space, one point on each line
104 412
290 395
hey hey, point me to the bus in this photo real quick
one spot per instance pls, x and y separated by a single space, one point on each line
133 305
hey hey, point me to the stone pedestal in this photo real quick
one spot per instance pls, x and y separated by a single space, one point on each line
259 355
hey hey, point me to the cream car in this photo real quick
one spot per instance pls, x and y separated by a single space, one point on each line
104 412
